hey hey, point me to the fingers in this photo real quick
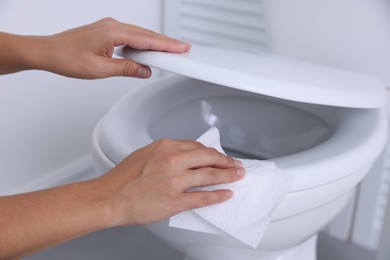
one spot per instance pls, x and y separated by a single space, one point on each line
190 145
144 39
147 40
118 34
210 176
200 165
140 38
208 157
200 199
123 67
182 145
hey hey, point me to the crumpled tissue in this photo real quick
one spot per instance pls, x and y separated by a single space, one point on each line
247 214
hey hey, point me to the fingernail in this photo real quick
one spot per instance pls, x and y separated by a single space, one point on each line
238 163
143 72
240 171
186 45
229 194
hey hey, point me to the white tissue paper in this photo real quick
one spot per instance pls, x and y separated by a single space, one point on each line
245 216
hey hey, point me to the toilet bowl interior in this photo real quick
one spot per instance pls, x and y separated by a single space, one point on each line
251 126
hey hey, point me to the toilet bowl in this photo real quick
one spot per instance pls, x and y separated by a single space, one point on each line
328 149
323 125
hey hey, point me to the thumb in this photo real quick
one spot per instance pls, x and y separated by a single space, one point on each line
127 68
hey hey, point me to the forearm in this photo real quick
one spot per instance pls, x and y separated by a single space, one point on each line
19 53
37 220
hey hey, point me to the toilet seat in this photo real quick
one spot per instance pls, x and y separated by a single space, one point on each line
124 130
367 132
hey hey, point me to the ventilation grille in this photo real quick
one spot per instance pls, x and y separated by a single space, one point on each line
235 24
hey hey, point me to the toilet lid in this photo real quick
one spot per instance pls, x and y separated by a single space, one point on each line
268 74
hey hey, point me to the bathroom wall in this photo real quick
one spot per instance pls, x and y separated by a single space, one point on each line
351 34
46 120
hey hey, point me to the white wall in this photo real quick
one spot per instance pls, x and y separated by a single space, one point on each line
351 34
46 120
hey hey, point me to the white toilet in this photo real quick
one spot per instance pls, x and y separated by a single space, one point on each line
325 126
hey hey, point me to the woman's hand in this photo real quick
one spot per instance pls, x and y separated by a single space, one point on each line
151 184
84 52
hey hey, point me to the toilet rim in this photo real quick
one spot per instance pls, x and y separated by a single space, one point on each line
341 154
